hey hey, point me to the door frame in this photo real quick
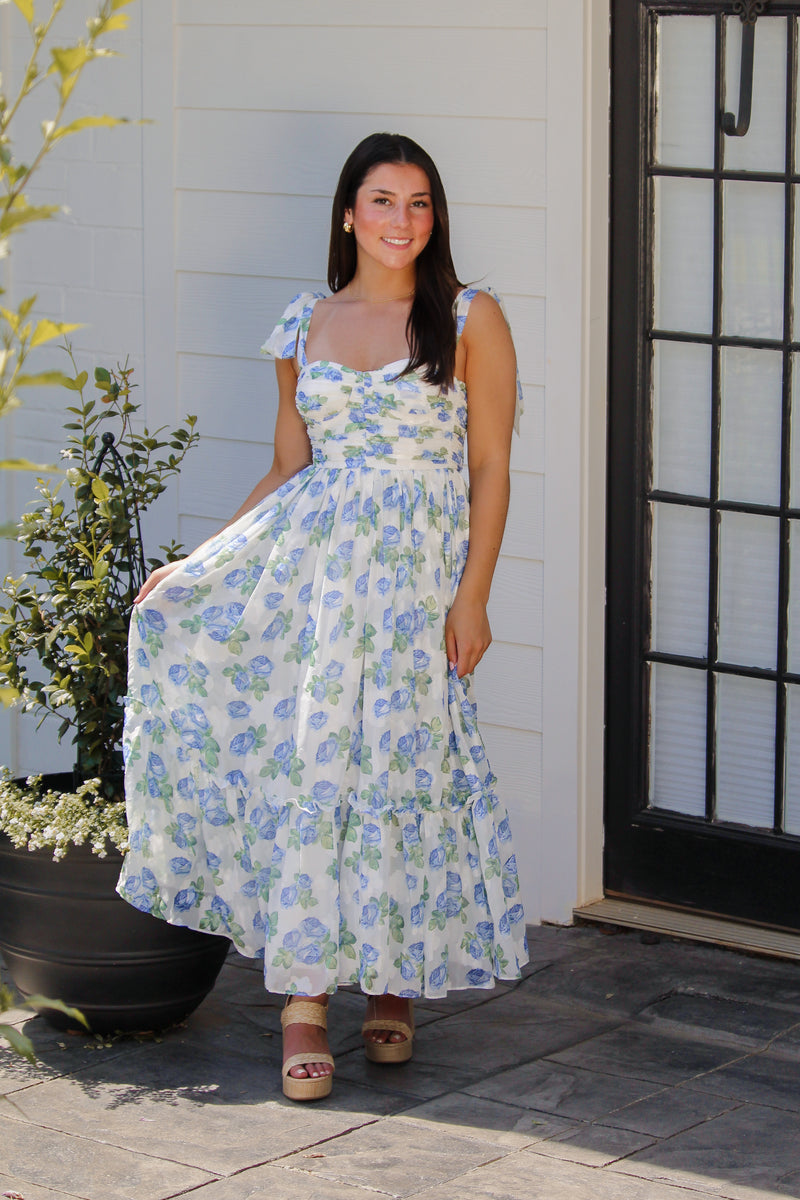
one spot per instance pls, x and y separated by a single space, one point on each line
693 864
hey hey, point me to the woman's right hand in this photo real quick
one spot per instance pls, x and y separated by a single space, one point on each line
155 577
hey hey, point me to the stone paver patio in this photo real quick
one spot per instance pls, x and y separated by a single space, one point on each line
615 1070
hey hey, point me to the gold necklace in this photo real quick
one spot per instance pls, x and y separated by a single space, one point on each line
387 300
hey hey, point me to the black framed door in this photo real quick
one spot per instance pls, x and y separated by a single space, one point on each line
703 629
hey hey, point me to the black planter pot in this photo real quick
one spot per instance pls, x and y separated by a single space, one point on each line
66 934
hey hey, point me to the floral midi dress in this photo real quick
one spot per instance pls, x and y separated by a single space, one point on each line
304 774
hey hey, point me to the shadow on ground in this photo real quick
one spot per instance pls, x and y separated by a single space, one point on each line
614 1070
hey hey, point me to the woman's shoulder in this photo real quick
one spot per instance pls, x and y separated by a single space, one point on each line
282 342
482 304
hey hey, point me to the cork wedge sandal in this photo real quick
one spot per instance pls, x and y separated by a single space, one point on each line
306 1012
390 1052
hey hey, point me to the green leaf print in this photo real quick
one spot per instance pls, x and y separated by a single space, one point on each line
430 606
366 645
400 641
326 839
491 868
367 522
369 977
450 846
346 620
173 829
346 947
271 769
397 925
371 856
236 933
198 596
366 760
405 961
247 589
299 652
236 641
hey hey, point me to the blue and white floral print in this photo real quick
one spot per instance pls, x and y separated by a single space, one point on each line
304 775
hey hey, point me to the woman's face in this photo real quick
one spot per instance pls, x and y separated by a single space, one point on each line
393 214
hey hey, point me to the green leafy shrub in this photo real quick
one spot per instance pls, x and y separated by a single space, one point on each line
64 623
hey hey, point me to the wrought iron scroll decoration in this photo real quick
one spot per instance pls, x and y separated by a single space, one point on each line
136 569
749 11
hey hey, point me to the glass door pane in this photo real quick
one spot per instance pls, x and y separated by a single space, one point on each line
764 146
750 467
752 259
684 254
746 751
681 418
680 580
685 116
678 739
748 590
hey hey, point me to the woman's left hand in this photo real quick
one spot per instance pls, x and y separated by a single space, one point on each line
467 634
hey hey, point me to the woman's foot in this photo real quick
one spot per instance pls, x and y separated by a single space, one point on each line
307 1063
388 1030
388 1008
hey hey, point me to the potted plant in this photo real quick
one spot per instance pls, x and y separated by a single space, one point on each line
63 655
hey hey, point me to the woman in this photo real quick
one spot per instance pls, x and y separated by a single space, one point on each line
304 770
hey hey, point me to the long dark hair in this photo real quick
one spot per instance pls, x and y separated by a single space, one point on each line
431 329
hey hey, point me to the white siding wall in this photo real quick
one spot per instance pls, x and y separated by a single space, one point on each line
188 237
84 266
269 102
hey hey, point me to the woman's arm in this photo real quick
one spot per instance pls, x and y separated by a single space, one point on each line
292 453
490 376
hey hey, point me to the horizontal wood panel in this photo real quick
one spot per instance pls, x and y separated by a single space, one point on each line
231 315
516 758
526 315
218 476
515 605
321 69
481 161
503 245
508 687
193 531
244 234
522 14
527 450
239 234
524 536
231 397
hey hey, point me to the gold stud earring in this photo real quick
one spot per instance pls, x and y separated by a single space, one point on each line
348 226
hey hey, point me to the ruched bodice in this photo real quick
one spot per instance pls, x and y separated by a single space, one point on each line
381 418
